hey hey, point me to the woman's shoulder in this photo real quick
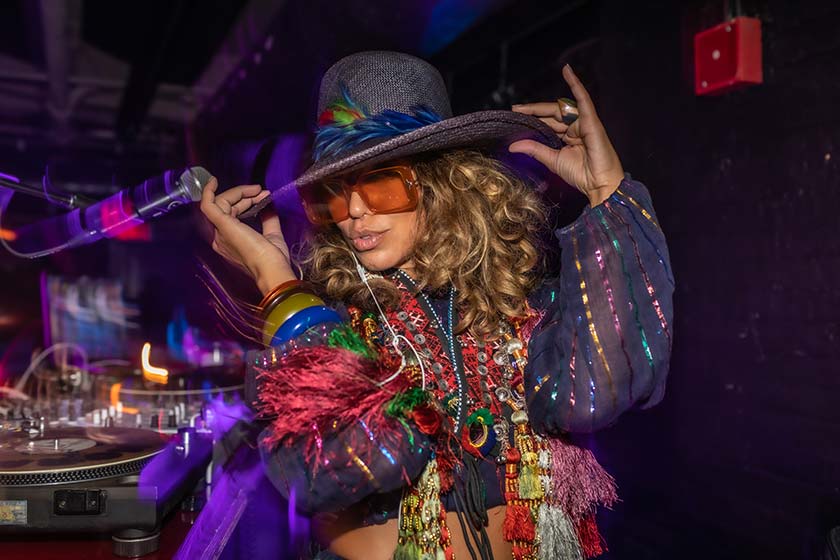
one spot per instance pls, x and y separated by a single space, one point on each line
545 293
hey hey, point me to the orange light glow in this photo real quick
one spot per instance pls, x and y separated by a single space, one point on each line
8 234
150 372
115 398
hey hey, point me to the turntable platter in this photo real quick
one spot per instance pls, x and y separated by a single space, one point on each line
69 455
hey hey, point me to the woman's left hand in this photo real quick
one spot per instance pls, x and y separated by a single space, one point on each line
588 161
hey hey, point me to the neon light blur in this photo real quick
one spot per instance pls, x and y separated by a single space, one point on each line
150 372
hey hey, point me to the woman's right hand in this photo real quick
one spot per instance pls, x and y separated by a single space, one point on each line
264 256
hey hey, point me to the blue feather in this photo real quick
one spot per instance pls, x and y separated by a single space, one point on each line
331 139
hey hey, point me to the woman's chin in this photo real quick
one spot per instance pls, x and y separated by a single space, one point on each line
378 261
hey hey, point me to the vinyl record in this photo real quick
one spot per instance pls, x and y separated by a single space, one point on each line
68 455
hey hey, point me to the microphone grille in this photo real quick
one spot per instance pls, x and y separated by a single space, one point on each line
193 180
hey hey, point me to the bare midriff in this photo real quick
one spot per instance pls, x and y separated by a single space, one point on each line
349 539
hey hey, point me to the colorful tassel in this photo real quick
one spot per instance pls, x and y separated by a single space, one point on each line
522 552
322 386
530 487
407 551
423 534
580 483
447 459
558 539
590 539
519 523
345 337
406 401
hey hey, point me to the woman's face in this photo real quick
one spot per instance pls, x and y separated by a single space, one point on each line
380 241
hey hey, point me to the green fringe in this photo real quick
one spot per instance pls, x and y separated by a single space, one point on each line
405 401
408 551
345 337
482 415
408 430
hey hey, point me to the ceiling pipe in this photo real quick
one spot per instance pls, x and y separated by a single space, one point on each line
60 22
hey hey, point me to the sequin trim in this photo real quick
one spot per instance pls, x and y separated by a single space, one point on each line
620 253
605 279
572 376
361 464
662 260
648 284
381 447
641 210
592 330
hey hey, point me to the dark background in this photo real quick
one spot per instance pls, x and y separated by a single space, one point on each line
742 459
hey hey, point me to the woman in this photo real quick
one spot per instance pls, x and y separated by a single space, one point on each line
424 411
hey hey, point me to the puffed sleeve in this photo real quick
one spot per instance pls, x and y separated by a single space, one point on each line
329 443
604 343
349 464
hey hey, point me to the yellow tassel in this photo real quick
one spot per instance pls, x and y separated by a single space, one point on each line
530 487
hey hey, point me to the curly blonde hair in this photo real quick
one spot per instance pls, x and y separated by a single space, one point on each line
478 231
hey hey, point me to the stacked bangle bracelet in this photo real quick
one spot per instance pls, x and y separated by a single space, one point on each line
290 309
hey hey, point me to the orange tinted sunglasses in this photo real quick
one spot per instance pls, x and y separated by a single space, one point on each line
386 190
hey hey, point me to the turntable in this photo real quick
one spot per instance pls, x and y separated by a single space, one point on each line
118 481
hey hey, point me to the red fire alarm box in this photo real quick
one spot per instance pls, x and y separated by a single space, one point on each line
727 56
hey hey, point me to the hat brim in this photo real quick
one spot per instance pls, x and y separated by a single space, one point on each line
482 129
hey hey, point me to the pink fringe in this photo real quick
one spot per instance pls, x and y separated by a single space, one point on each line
580 484
319 388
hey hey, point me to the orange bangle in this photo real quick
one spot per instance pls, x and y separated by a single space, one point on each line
278 290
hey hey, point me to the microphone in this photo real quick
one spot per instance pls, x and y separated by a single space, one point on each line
111 216
158 195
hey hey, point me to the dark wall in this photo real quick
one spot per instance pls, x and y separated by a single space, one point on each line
742 459
746 186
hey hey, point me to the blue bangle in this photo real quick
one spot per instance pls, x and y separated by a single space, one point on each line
298 323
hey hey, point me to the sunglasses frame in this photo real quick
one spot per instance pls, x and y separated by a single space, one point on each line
351 184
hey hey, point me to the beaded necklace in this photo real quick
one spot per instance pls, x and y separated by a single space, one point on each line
453 347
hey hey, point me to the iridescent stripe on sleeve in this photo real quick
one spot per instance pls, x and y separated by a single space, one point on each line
554 389
648 284
361 464
572 376
629 278
655 246
382 448
586 349
592 330
319 445
605 279
639 207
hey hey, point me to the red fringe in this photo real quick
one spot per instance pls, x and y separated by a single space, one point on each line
447 459
320 387
519 524
522 552
590 539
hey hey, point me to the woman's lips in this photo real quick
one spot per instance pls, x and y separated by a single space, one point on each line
368 241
